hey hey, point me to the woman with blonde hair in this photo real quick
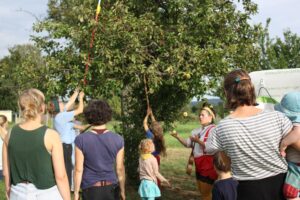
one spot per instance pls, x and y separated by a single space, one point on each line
205 172
33 164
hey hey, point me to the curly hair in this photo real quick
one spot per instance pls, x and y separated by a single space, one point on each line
97 112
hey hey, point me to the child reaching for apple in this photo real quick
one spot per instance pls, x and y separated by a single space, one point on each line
155 133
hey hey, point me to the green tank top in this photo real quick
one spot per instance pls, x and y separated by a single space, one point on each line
29 159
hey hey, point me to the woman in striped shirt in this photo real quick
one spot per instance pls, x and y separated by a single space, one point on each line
251 138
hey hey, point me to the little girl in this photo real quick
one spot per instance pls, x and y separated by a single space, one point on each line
148 169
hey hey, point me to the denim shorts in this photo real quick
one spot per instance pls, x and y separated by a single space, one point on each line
27 191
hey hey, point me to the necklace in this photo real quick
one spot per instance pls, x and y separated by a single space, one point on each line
100 131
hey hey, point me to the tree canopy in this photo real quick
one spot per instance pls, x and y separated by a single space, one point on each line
183 48
23 68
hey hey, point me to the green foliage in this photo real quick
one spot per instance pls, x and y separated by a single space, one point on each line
277 53
182 47
23 68
285 53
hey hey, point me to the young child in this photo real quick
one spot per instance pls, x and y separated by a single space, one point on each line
155 133
149 173
225 188
290 106
3 126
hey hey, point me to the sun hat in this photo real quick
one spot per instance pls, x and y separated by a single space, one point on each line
290 106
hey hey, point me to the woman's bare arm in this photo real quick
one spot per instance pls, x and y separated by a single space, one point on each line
120 168
56 150
79 159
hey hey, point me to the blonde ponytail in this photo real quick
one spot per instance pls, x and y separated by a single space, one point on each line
31 103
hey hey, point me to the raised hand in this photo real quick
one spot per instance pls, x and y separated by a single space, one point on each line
174 134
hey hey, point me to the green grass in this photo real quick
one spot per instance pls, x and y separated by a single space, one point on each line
184 131
172 167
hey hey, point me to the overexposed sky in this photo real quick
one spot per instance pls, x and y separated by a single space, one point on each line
284 14
15 24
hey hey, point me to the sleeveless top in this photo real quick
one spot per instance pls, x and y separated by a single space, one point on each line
100 152
29 159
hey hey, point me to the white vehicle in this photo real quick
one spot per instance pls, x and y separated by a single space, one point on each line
272 85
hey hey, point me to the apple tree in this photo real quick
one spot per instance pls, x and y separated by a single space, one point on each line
181 47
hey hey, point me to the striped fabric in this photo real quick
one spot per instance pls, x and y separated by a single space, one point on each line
252 144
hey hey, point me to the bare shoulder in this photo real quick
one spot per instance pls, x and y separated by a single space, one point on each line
51 136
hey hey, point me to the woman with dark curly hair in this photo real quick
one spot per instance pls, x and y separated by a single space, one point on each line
97 153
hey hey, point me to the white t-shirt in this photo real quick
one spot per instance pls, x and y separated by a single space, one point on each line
198 151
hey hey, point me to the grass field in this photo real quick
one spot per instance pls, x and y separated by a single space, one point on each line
172 167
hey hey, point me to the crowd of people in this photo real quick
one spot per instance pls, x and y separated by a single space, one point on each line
250 154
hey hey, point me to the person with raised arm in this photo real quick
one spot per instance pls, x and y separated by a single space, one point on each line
65 126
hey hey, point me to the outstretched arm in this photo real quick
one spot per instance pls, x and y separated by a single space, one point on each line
181 140
145 122
72 99
152 116
157 174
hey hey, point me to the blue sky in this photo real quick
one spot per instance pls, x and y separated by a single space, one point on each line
15 25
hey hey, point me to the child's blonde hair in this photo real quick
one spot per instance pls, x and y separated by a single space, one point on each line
146 146
31 103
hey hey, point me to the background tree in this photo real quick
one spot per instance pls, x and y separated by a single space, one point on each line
285 53
181 47
23 68
277 53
